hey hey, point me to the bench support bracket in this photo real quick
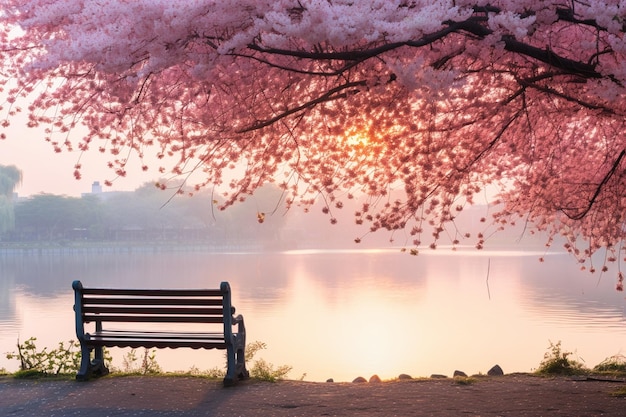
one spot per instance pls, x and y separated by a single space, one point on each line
91 367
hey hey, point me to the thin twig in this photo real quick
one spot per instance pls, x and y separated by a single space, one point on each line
487 280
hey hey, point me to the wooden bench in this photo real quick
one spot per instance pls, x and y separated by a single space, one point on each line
177 308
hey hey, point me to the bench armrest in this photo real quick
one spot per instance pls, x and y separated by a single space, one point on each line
241 328
78 309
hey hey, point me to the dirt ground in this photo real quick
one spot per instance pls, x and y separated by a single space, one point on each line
510 395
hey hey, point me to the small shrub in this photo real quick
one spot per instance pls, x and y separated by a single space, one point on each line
262 370
265 371
215 372
615 364
65 359
556 361
148 365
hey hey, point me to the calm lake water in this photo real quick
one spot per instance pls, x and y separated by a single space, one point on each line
343 314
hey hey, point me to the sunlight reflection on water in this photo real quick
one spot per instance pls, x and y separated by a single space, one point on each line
342 314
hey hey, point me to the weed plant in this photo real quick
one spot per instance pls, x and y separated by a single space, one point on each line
558 362
614 364
147 366
262 370
63 360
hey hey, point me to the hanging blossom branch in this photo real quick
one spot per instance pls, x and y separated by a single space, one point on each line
585 211
328 96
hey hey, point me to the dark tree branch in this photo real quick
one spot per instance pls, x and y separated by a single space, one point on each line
475 25
554 60
330 95
593 199
568 15
294 70
551 91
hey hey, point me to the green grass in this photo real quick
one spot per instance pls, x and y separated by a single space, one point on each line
464 380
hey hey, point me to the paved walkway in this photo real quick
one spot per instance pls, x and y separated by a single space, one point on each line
512 395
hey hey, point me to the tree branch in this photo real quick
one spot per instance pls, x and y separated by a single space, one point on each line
328 96
604 181
547 56
475 25
564 96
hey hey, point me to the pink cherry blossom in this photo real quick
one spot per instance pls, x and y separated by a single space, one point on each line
412 106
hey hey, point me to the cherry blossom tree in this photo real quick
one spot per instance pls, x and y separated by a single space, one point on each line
410 107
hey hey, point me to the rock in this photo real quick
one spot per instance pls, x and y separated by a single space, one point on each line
374 378
460 373
330 380
495 371
404 376
359 380
438 376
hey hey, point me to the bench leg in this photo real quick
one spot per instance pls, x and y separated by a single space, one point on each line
242 372
236 363
88 367
231 376
85 362
98 368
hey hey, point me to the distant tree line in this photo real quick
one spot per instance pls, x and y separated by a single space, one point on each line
10 177
147 214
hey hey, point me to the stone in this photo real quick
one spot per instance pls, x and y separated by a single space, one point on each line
404 376
374 378
438 376
330 380
495 371
460 374
359 380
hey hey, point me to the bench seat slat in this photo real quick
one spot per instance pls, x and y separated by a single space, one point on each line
135 339
157 343
163 310
152 301
87 318
157 334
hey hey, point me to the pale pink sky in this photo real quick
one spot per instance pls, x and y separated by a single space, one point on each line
46 171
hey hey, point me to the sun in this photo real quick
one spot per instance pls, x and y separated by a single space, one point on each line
356 138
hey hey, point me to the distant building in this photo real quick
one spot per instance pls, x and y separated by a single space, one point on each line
96 188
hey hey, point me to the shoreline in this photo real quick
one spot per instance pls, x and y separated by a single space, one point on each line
181 396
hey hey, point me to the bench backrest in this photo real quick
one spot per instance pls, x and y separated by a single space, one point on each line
151 305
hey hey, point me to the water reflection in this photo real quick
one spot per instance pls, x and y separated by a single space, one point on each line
346 313
7 302
564 295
